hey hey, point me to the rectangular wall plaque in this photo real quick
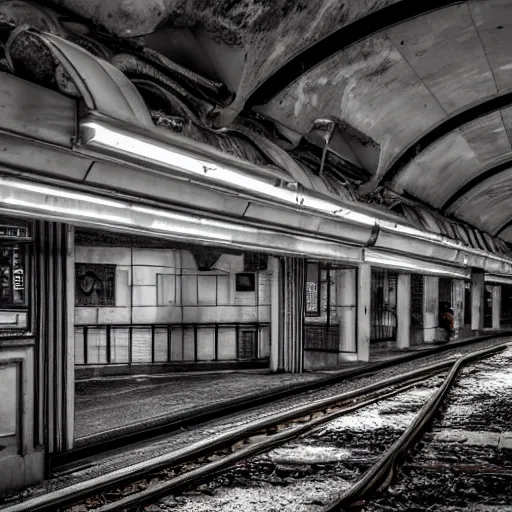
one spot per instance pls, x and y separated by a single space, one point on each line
95 285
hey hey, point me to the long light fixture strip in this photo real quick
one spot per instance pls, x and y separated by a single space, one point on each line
104 137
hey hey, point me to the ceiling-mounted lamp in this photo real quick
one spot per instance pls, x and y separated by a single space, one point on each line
413 265
143 150
98 136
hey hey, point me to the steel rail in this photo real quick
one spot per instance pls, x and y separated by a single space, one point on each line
211 469
123 437
206 471
381 473
59 498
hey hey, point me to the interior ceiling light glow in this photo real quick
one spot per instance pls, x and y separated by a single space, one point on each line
41 189
34 198
138 148
171 228
111 139
189 218
106 138
395 261
72 212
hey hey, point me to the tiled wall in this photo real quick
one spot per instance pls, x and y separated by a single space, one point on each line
157 286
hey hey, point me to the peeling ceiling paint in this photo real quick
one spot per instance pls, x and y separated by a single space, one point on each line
392 86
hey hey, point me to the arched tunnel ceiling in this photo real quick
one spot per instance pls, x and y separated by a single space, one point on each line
430 81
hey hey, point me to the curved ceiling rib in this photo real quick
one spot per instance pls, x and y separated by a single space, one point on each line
372 23
492 170
451 123
503 228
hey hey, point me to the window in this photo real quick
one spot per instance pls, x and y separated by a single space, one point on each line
255 261
313 289
416 300
12 275
245 282
14 265
95 285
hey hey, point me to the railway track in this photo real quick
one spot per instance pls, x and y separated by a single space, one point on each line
121 438
313 429
181 466
464 462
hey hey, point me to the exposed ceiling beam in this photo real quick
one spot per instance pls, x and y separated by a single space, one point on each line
491 171
340 39
450 124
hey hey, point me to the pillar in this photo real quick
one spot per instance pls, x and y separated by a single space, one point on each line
403 311
54 247
430 307
275 314
477 299
294 281
458 292
496 307
364 287
346 312
37 361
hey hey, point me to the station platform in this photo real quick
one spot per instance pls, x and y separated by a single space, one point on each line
106 406
106 403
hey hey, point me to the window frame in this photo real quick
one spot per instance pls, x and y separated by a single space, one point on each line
317 312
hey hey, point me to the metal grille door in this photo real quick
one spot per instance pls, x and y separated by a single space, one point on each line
416 301
383 300
467 304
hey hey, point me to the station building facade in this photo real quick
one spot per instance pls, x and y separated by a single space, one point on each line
125 247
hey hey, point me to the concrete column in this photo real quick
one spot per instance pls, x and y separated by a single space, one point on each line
496 307
346 312
69 266
458 287
275 314
430 307
294 279
477 299
364 292
403 311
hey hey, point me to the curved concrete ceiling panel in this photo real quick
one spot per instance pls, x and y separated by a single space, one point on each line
487 205
435 46
493 20
455 159
371 87
506 234
403 75
395 84
493 169
266 34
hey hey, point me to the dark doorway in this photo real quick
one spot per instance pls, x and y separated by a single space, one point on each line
383 300
506 305
445 290
488 307
467 304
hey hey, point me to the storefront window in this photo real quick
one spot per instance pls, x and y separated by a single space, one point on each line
14 262
12 275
